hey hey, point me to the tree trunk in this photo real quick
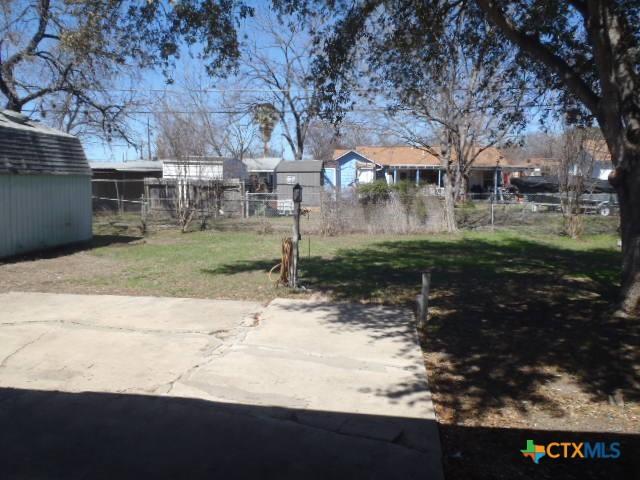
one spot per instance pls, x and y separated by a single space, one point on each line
14 105
449 204
456 184
627 184
463 189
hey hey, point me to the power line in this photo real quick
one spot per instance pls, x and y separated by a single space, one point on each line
240 112
254 90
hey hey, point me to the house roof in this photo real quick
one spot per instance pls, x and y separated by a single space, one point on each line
133 166
27 147
537 162
261 164
408 156
598 150
299 166
195 160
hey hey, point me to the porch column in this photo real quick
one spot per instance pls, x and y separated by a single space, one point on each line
439 178
395 176
417 177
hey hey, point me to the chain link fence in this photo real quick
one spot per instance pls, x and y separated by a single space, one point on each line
215 206
542 212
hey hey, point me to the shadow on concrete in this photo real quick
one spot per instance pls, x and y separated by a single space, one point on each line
390 324
96 242
100 435
58 435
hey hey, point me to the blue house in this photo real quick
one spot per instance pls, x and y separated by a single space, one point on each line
349 169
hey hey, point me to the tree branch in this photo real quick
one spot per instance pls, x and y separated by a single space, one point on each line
30 48
531 45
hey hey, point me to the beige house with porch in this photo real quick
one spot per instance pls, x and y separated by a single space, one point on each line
365 164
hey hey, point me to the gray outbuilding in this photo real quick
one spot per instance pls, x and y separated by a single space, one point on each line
45 187
308 173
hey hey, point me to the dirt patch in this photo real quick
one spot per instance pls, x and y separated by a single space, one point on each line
80 272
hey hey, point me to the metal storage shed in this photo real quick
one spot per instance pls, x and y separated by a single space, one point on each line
45 187
308 173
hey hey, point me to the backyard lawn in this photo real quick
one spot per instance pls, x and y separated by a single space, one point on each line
520 345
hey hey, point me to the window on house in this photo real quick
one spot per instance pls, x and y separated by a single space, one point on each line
291 179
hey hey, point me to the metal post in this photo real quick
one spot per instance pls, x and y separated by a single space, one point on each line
297 200
296 239
143 214
423 300
417 177
119 200
492 213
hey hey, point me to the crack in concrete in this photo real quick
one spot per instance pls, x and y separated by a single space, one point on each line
4 361
91 326
399 439
209 357
324 359
217 351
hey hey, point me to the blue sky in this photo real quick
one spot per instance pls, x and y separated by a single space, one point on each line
153 82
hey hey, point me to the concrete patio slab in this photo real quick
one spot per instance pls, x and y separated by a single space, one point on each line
136 387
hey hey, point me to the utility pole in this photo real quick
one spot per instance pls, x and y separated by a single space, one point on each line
148 140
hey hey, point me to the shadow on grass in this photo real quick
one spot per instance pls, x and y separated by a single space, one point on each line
97 241
504 314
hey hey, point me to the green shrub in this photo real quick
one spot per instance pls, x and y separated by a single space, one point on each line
375 192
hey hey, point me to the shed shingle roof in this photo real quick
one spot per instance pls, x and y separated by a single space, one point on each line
27 147
298 166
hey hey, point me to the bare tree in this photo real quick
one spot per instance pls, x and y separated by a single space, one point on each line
573 171
454 112
219 118
321 139
541 144
225 119
182 144
107 118
578 148
178 133
281 66
61 58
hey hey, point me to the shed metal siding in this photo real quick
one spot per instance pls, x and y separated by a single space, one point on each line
306 179
311 183
43 211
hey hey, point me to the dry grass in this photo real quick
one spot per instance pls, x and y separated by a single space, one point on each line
520 344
